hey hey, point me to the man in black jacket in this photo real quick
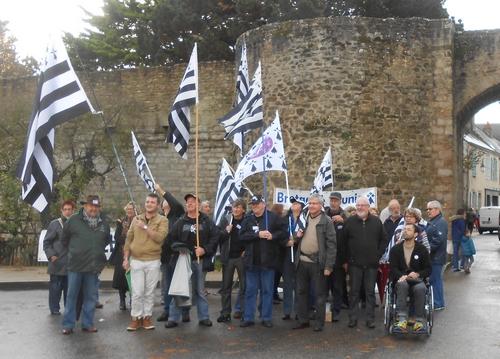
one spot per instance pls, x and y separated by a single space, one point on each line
231 255
316 256
366 242
183 233
410 264
261 231
339 283
173 210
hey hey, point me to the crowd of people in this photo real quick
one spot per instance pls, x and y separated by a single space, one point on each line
323 253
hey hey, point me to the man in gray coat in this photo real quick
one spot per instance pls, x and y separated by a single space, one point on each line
57 254
317 248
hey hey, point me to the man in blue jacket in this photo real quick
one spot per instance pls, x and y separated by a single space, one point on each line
437 233
261 231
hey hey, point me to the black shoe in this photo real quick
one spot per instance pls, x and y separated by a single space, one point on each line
370 324
352 323
237 315
55 313
286 317
99 305
163 317
224 318
267 324
205 322
245 324
123 306
318 328
301 326
185 318
171 324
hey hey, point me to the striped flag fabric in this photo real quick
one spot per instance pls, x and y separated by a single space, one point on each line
324 177
267 154
179 121
242 86
142 165
59 98
248 114
227 191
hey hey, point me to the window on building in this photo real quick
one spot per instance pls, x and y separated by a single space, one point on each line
494 200
479 200
494 169
488 200
474 169
487 168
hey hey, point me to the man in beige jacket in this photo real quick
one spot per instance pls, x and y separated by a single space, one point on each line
143 246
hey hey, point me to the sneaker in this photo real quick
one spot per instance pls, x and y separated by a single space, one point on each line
267 324
237 315
286 317
467 270
99 305
67 331
134 324
147 323
89 330
438 308
170 324
163 317
205 322
224 318
456 270
418 327
401 326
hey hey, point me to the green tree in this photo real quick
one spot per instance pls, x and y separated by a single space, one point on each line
133 33
10 65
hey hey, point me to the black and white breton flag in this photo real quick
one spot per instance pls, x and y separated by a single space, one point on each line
248 114
142 165
59 98
227 191
324 177
242 85
179 117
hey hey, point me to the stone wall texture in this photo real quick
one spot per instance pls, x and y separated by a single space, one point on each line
384 93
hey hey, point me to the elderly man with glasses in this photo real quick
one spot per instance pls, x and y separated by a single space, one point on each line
437 234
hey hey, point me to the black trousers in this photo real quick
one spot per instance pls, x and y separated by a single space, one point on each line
339 288
228 269
311 274
368 277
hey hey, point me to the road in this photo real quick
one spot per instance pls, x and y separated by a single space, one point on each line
468 328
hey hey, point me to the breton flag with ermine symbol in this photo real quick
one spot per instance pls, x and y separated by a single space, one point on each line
179 121
324 176
242 85
248 114
227 191
142 166
59 98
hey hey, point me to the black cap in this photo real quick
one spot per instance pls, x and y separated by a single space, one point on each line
190 195
92 199
257 198
336 195
297 199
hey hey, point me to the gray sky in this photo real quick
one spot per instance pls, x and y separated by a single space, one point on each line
32 22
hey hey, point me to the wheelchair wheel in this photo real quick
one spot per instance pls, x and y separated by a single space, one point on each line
430 310
388 315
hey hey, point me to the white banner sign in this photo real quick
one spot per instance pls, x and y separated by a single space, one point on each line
349 197
43 258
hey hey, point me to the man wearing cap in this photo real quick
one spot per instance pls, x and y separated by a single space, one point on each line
183 235
336 213
261 231
85 234
316 256
141 254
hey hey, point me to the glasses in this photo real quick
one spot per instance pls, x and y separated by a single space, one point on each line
430 209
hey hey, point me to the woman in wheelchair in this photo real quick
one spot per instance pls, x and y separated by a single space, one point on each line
410 265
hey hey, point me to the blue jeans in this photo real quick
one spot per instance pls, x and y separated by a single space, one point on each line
264 278
88 283
436 280
168 272
456 258
58 286
198 280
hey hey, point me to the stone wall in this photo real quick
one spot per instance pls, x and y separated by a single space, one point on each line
384 93
378 91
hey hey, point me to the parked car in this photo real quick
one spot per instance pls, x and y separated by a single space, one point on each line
489 219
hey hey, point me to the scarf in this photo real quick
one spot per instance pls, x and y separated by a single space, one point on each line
92 222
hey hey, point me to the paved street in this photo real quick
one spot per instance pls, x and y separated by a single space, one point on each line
468 328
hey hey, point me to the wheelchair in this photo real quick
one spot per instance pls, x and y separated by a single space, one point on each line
390 317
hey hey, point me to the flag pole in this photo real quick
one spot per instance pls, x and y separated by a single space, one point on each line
196 175
106 130
289 219
331 168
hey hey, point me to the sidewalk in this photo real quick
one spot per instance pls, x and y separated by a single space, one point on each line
28 278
